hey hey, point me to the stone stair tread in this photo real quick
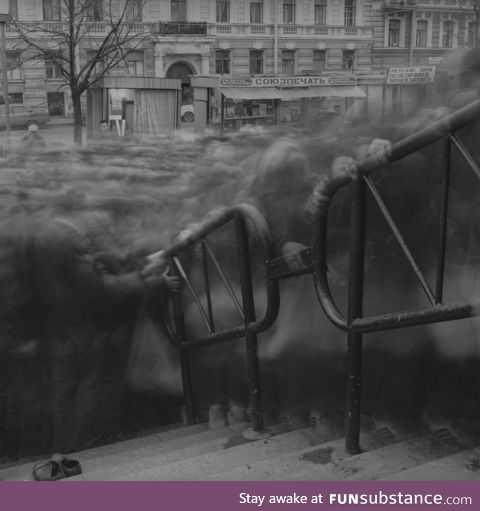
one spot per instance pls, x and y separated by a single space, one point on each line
462 466
378 463
163 441
197 467
284 464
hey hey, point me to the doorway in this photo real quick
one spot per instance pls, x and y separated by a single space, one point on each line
56 103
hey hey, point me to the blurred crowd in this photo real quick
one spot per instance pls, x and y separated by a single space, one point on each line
81 266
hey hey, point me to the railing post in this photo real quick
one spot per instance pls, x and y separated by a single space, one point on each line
184 356
355 310
442 243
253 368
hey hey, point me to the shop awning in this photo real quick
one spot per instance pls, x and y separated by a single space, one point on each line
310 92
348 91
251 92
341 91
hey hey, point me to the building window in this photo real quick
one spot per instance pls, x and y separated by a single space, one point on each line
14 66
288 11
52 71
256 11
349 14
288 62
320 12
51 10
134 10
256 62
94 10
319 60
222 62
394 33
348 60
135 63
223 11
99 66
179 10
471 34
13 10
448 34
421 34
16 98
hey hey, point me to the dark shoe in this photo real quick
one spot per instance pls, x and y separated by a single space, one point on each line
57 467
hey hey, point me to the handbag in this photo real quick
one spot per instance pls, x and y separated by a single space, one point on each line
153 364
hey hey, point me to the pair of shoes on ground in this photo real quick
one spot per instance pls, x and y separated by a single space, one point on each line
57 467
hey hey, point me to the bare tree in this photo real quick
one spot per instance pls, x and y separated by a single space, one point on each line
109 29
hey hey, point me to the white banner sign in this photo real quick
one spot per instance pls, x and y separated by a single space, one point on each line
287 81
411 75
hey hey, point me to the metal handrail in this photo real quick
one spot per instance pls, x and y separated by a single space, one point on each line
329 187
247 220
221 217
354 323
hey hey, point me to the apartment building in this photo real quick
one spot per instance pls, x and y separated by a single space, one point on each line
207 37
420 33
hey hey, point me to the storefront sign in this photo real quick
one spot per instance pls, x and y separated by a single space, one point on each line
410 75
287 81
435 60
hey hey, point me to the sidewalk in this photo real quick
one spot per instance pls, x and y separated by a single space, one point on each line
59 121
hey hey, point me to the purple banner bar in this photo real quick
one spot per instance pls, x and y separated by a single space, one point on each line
245 496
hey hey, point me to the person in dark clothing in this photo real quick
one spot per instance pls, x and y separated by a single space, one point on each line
76 299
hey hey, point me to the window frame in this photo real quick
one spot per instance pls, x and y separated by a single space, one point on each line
222 11
13 9
352 54
320 12
289 62
52 10
289 12
94 11
134 11
179 12
256 62
256 11
350 13
319 68
222 57
450 34
50 65
129 61
423 32
14 73
397 31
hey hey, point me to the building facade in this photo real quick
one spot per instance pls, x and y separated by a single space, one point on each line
185 38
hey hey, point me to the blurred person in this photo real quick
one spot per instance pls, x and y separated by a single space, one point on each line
32 141
76 297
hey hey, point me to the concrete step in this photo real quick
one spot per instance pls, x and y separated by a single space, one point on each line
285 465
172 437
220 458
463 466
329 461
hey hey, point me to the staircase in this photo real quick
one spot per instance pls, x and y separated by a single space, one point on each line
199 453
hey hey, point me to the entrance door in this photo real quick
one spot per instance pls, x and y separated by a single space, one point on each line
56 103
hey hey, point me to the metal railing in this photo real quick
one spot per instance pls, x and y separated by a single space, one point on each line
354 323
249 225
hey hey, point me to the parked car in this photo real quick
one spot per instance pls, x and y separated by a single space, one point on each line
22 117
187 113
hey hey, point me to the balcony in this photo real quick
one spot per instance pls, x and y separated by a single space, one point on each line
399 5
47 28
294 31
182 28
174 28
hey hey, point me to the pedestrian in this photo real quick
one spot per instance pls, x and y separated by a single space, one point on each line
32 140
75 297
